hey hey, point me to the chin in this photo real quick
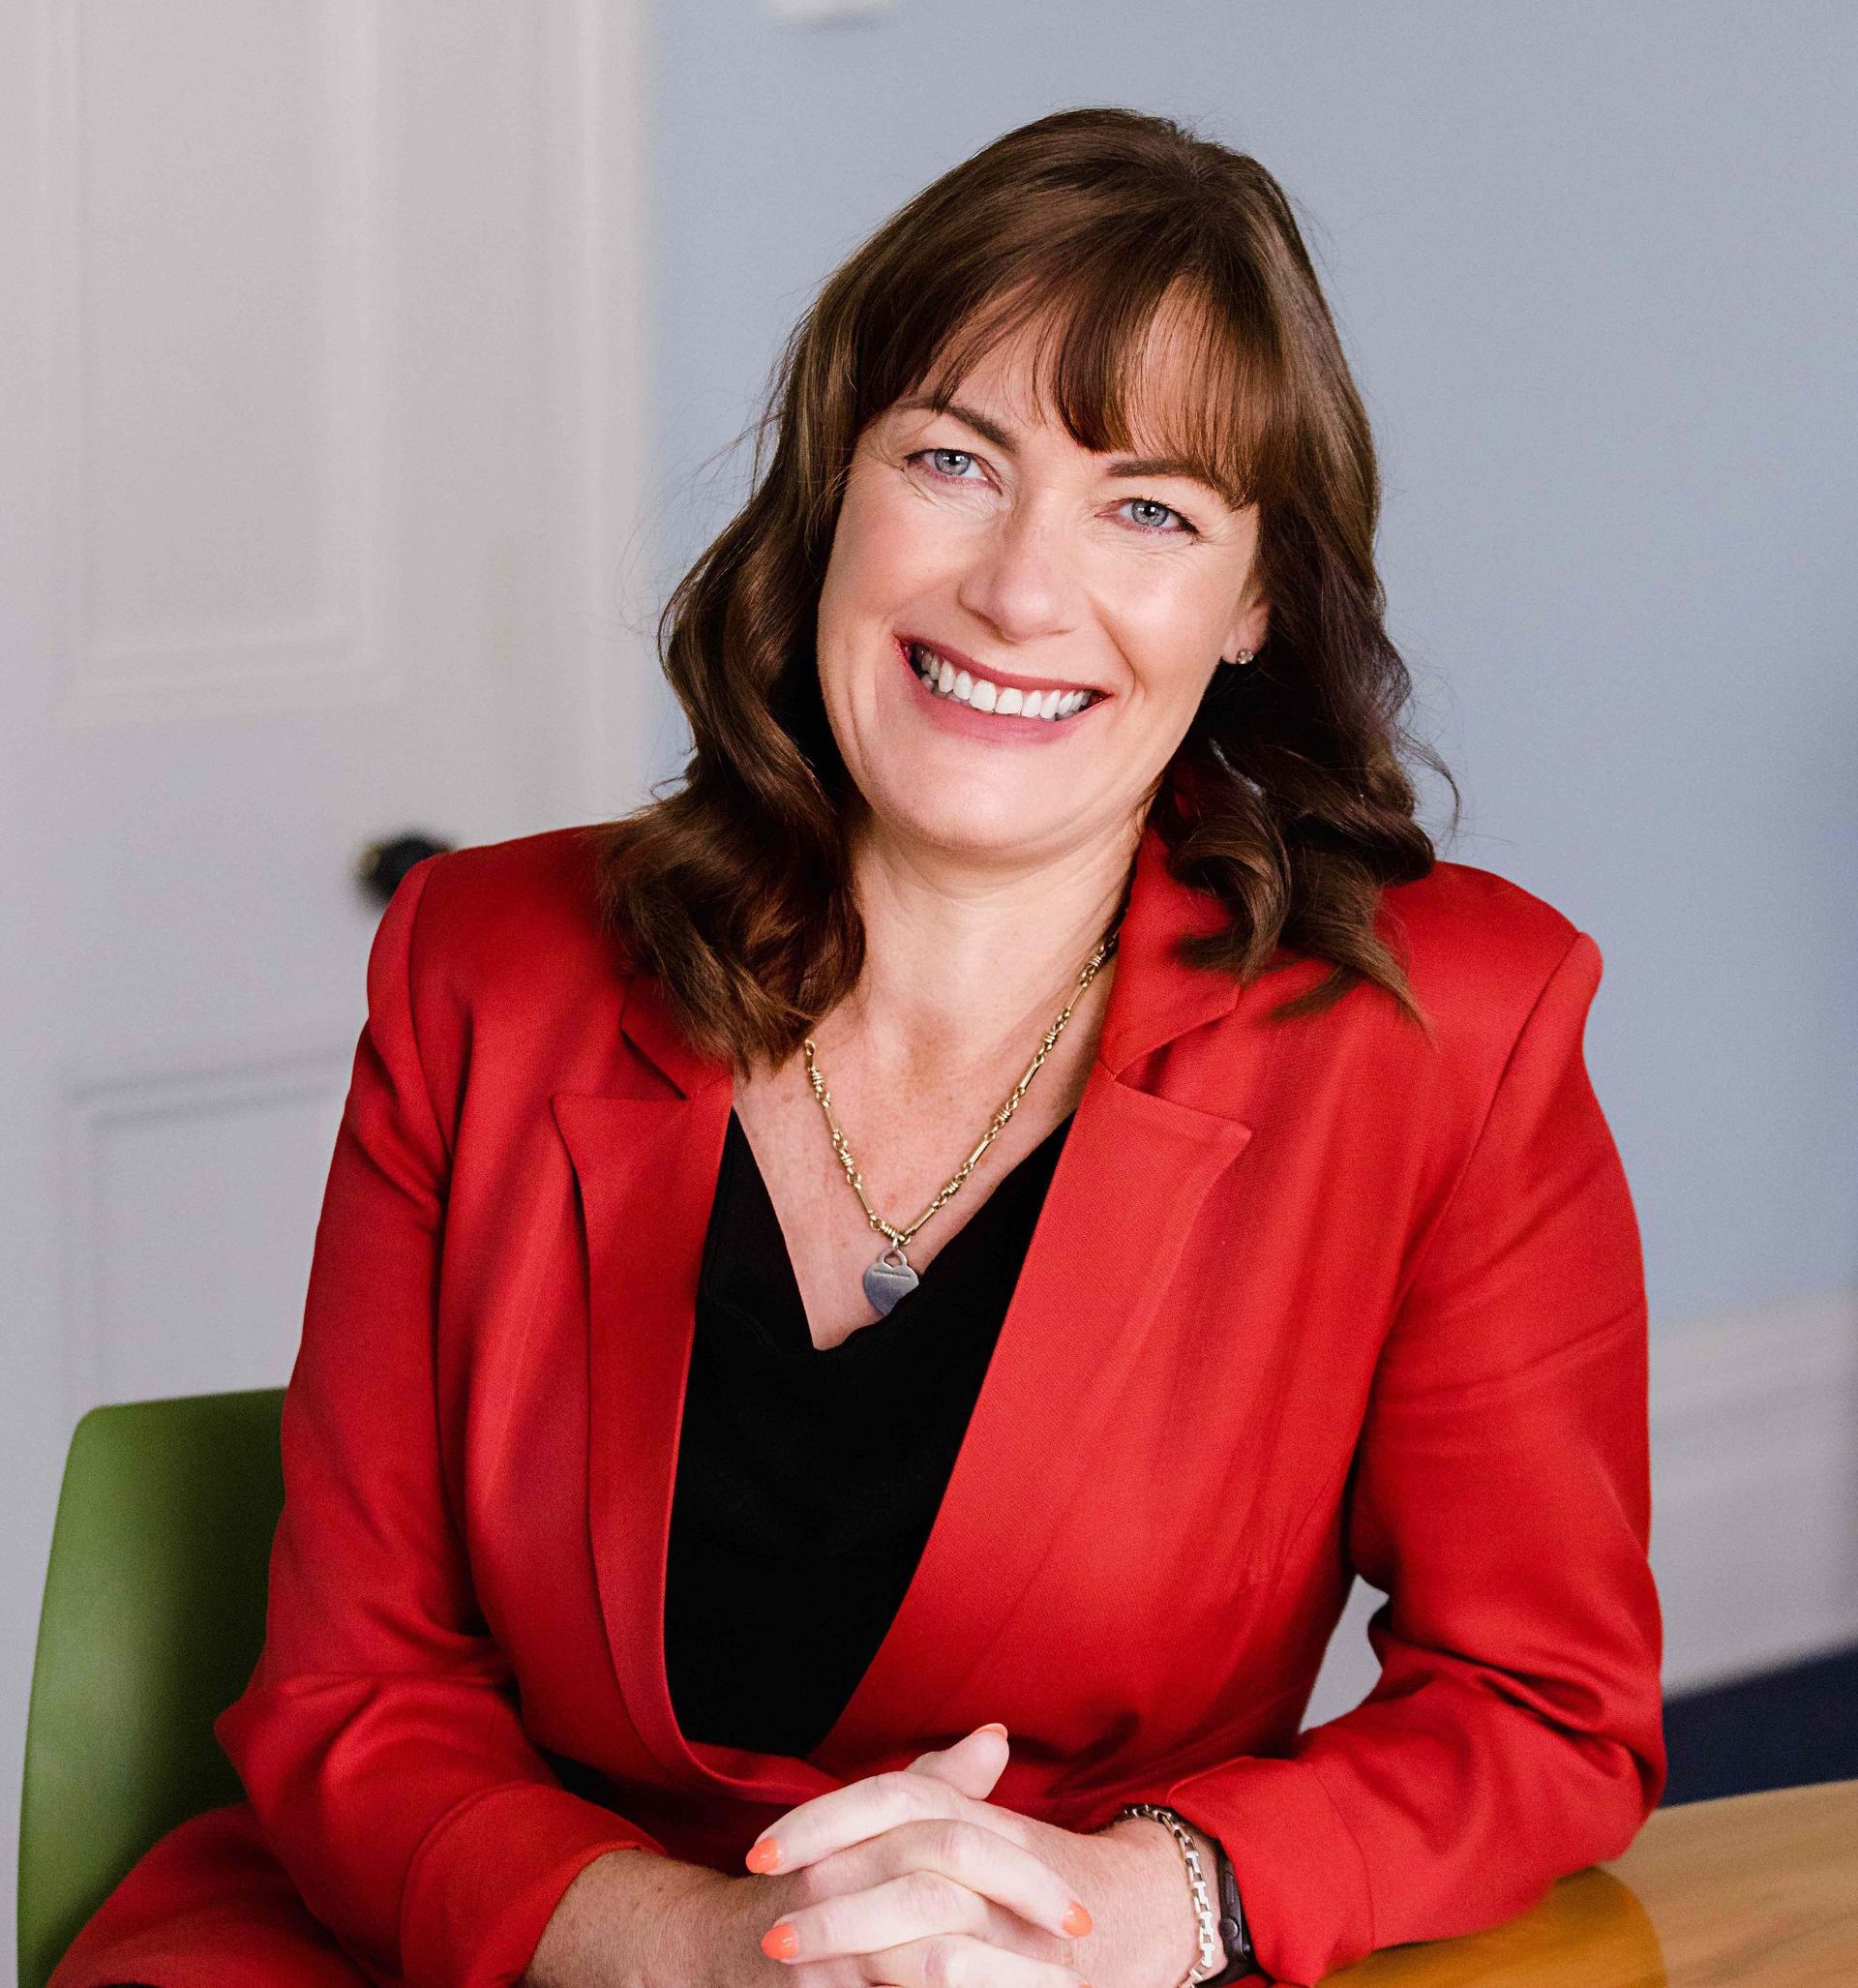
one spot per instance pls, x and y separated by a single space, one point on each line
995 826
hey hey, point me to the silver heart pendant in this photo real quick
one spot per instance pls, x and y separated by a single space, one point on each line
889 1278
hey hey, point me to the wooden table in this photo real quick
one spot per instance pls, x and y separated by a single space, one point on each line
1758 1888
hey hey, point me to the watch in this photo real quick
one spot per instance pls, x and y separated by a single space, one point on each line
1241 1962
1226 1925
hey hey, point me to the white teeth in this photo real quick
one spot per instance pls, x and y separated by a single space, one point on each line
940 675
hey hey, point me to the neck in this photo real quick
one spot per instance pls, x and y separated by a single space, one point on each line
967 963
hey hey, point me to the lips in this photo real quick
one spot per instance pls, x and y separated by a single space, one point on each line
1004 679
994 697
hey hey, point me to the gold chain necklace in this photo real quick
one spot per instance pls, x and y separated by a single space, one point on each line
891 1275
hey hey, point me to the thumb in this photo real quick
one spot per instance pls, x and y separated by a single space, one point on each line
971 1765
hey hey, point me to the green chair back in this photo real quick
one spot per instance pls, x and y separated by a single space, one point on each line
153 1619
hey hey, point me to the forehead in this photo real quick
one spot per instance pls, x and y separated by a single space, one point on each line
1154 373
1162 388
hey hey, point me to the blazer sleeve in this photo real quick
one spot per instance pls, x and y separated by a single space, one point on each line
1499 1496
378 1738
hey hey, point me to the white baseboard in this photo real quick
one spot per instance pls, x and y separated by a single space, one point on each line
1754 1486
1754 1498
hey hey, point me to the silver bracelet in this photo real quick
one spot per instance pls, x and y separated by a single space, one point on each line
1211 1951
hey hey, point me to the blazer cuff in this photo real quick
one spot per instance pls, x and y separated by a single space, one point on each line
1300 1871
485 1880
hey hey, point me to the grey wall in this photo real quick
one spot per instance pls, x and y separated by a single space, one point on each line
1597 269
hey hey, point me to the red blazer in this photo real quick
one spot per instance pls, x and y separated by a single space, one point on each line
1305 1301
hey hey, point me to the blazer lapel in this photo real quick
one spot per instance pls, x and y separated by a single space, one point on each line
1099 1260
1068 1349
647 1169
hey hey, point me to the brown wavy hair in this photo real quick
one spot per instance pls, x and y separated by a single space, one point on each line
1287 798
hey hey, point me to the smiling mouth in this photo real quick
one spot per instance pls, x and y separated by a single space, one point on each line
942 678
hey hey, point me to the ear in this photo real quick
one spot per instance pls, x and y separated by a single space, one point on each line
1247 627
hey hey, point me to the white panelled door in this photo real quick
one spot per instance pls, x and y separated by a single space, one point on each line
321 447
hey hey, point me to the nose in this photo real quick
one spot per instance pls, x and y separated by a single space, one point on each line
1018 578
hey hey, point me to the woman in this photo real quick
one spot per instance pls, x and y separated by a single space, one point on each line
866 1317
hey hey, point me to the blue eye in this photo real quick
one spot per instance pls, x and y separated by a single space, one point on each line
1183 528
1166 510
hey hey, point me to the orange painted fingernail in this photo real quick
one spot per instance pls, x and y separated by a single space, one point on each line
780 1942
1077 1921
766 1855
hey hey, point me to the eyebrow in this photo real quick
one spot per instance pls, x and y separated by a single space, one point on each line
1002 439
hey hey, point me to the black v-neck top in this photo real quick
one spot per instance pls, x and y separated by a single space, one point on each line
808 1478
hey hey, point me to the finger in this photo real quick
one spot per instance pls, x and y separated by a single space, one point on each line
844 1816
953 1876
973 1765
954 1959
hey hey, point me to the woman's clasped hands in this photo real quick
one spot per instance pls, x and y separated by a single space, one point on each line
913 1878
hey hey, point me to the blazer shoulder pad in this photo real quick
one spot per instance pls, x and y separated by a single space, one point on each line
1477 948
492 911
